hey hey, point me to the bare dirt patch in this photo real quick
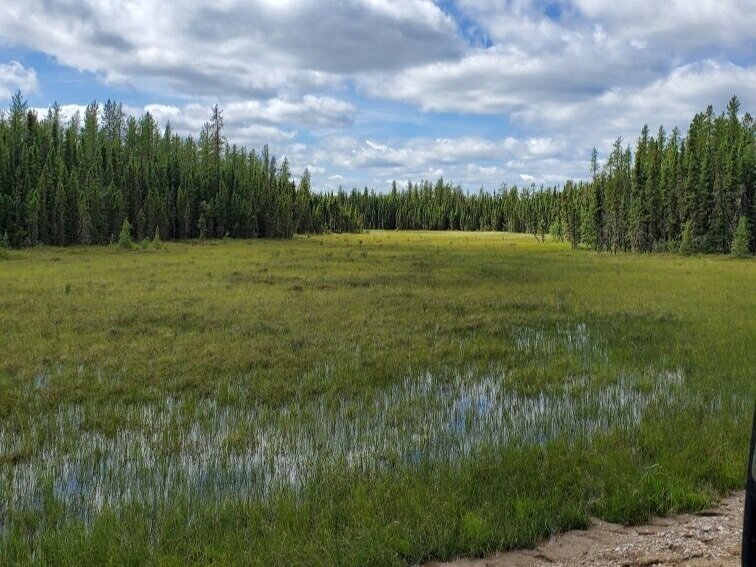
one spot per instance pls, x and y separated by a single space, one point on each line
710 538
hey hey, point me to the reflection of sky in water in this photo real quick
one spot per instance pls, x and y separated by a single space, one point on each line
225 452
207 451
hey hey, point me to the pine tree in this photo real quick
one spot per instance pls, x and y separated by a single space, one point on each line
590 212
304 220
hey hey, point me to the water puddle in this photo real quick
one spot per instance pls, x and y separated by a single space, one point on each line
204 450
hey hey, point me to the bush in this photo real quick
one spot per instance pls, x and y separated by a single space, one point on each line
124 238
686 244
202 226
557 231
739 248
157 243
4 246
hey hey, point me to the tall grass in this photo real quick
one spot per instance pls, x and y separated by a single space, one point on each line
380 398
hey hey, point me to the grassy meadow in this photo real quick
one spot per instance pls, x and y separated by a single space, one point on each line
369 399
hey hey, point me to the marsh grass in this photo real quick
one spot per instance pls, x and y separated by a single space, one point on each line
379 398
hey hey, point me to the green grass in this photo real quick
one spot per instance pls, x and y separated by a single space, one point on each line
380 398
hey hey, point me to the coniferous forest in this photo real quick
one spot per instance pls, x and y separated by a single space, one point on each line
78 182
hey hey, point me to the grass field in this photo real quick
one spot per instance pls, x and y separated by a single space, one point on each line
380 398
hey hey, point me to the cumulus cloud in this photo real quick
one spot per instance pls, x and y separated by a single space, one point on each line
14 76
254 122
349 87
420 153
670 101
310 110
67 111
253 48
677 24
472 161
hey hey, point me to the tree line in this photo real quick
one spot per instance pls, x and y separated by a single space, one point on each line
694 193
82 181
77 182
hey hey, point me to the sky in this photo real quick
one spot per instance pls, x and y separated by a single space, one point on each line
363 92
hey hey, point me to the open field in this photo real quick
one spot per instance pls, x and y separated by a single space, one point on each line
379 398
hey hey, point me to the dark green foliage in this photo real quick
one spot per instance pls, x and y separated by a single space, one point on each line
76 183
640 203
741 238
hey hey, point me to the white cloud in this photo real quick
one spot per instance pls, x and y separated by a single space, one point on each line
14 76
336 84
256 134
505 79
253 48
677 24
420 158
670 101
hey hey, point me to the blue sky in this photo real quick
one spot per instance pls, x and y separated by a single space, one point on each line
362 92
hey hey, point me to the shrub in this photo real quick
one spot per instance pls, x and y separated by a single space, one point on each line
557 231
4 246
202 227
686 244
124 238
739 248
